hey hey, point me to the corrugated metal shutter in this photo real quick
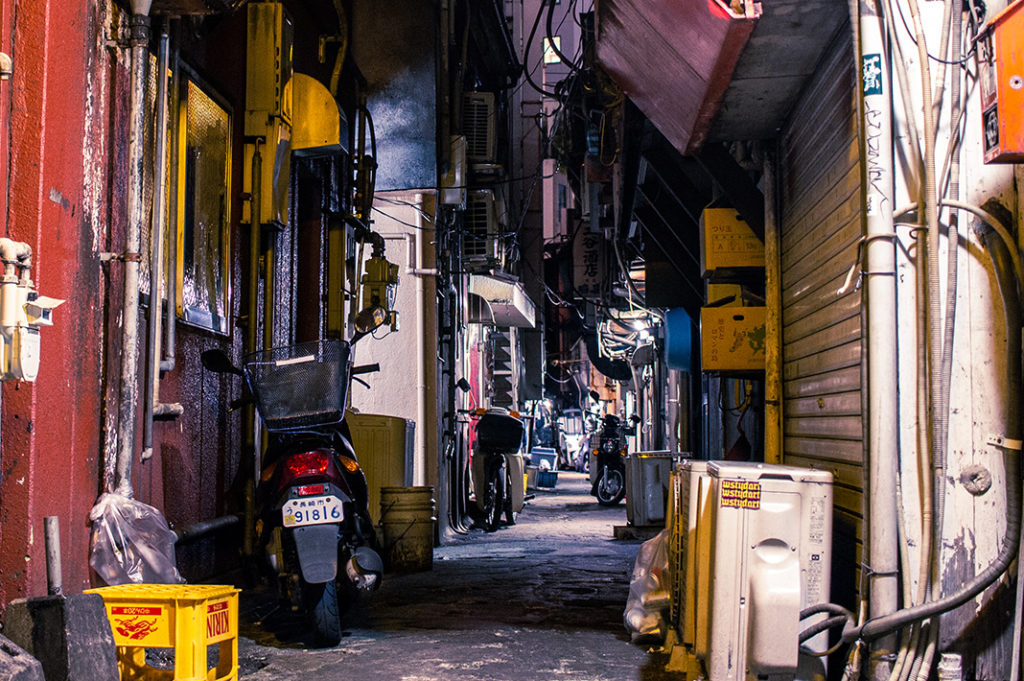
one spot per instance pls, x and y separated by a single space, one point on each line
821 329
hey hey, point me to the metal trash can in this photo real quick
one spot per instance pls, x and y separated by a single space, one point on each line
648 476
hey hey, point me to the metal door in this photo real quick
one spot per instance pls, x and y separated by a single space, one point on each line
820 186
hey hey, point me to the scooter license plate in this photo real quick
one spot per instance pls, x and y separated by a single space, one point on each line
312 511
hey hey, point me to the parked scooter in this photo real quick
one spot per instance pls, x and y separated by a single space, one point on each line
609 474
313 523
497 466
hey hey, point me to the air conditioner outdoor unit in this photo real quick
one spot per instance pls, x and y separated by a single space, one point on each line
481 242
478 126
691 552
769 534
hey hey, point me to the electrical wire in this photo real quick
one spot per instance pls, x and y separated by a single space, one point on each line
550 36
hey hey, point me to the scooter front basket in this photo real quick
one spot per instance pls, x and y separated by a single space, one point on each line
300 386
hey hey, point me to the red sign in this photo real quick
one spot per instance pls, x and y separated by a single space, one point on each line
217 622
135 610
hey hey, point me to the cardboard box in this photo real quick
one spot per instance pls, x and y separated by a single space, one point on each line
732 338
727 242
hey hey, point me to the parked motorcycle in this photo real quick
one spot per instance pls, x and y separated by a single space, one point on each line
608 476
311 499
497 466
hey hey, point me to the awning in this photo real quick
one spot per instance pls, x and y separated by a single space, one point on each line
502 302
697 41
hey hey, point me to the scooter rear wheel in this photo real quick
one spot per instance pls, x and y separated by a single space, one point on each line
494 501
510 515
322 603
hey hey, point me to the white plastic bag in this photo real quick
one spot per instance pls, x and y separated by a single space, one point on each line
131 542
649 598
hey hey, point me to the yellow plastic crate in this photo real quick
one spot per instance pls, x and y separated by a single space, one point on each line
185 617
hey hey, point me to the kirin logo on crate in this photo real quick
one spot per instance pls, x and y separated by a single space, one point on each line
136 622
217 621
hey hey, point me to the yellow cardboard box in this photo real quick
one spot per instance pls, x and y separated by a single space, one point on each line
727 241
732 338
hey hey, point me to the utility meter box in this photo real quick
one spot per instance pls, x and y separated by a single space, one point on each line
771 552
1001 76
732 338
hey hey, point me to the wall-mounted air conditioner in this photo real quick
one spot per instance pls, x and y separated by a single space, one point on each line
481 237
770 541
478 126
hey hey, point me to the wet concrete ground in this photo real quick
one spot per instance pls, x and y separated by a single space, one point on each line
541 600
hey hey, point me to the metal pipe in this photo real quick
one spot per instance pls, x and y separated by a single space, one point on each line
205 527
773 326
421 360
54 579
880 273
252 471
413 253
156 246
171 278
128 401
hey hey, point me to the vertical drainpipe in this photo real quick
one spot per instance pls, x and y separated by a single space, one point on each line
171 278
249 443
421 326
879 272
773 319
156 242
128 401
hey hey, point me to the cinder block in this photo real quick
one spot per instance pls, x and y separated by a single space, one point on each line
69 635
16 664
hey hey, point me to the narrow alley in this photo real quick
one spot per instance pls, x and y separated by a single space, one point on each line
756 265
540 600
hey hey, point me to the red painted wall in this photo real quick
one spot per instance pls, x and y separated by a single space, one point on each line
63 146
50 443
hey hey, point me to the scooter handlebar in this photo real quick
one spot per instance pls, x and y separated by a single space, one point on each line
365 368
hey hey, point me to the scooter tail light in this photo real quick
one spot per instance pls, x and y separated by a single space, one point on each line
315 463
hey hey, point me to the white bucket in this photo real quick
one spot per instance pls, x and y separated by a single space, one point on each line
407 520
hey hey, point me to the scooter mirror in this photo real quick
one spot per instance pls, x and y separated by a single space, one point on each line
370 318
595 396
217 361
463 385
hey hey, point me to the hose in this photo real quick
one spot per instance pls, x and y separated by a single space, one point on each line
879 626
551 39
882 625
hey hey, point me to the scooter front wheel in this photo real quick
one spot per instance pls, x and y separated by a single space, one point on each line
611 487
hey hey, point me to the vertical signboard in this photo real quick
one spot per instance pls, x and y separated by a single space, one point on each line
588 251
